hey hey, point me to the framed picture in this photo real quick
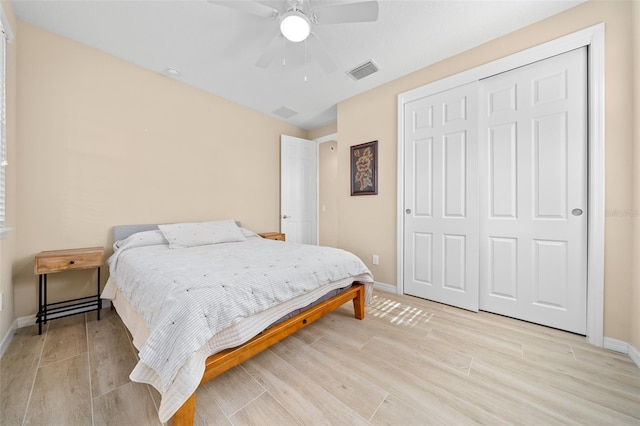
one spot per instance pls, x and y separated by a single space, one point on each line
364 169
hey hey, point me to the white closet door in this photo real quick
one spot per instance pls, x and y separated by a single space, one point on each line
441 197
533 192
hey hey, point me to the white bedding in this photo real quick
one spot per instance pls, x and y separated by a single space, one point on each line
197 301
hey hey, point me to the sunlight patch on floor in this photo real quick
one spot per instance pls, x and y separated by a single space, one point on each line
398 313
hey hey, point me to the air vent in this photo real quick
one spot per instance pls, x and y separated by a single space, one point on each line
285 112
363 70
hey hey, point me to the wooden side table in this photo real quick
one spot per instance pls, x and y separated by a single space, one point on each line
49 262
273 236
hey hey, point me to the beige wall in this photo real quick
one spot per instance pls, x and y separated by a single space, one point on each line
319 132
635 299
104 142
8 244
367 225
328 194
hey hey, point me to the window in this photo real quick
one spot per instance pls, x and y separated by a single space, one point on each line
5 36
3 126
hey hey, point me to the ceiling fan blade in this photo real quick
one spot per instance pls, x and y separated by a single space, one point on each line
270 51
366 11
319 52
250 7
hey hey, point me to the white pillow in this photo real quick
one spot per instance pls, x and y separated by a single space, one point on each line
139 239
181 235
248 233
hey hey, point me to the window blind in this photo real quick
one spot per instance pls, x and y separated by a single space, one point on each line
3 124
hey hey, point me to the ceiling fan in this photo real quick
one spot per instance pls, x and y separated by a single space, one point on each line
297 20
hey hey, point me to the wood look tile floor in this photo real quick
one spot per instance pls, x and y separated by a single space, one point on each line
410 362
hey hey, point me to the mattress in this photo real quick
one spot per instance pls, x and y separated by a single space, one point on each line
139 331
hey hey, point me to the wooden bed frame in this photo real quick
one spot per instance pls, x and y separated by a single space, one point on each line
222 361
218 363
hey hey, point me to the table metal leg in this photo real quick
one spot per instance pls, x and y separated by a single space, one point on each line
44 304
99 300
39 316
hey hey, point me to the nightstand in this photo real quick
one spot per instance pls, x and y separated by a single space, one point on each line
273 236
49 262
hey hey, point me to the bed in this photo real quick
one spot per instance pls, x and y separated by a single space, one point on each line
200 298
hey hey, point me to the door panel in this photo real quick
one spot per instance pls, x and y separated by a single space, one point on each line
455 174
441 204
423 160
503 273
423 270
503 181
550 274
532 159
454 261
550 166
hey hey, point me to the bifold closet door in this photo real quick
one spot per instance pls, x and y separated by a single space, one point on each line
533 192
441 197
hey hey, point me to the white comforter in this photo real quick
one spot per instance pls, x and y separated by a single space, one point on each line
187 296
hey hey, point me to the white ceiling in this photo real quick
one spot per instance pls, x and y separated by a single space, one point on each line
216 47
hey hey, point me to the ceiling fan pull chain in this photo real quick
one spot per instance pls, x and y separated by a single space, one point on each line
305 61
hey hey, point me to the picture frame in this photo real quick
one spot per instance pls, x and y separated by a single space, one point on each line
364 169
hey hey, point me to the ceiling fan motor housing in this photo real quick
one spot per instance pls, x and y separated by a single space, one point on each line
295 25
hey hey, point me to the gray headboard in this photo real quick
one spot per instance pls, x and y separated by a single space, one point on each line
120 232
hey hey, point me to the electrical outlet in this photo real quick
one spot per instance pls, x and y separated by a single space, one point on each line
375 260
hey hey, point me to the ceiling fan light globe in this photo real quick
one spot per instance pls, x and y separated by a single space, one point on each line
295 26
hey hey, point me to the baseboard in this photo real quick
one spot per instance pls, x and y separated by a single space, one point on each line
6 340
615 345
31 319
385 287
634 354
26 321
622 347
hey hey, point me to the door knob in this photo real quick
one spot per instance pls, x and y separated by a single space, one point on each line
408 211
285 216
576 212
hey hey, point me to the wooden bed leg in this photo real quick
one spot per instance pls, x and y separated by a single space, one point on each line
358 303
185 414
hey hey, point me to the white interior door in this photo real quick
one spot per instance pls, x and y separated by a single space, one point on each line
533 192
299 189
441 197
